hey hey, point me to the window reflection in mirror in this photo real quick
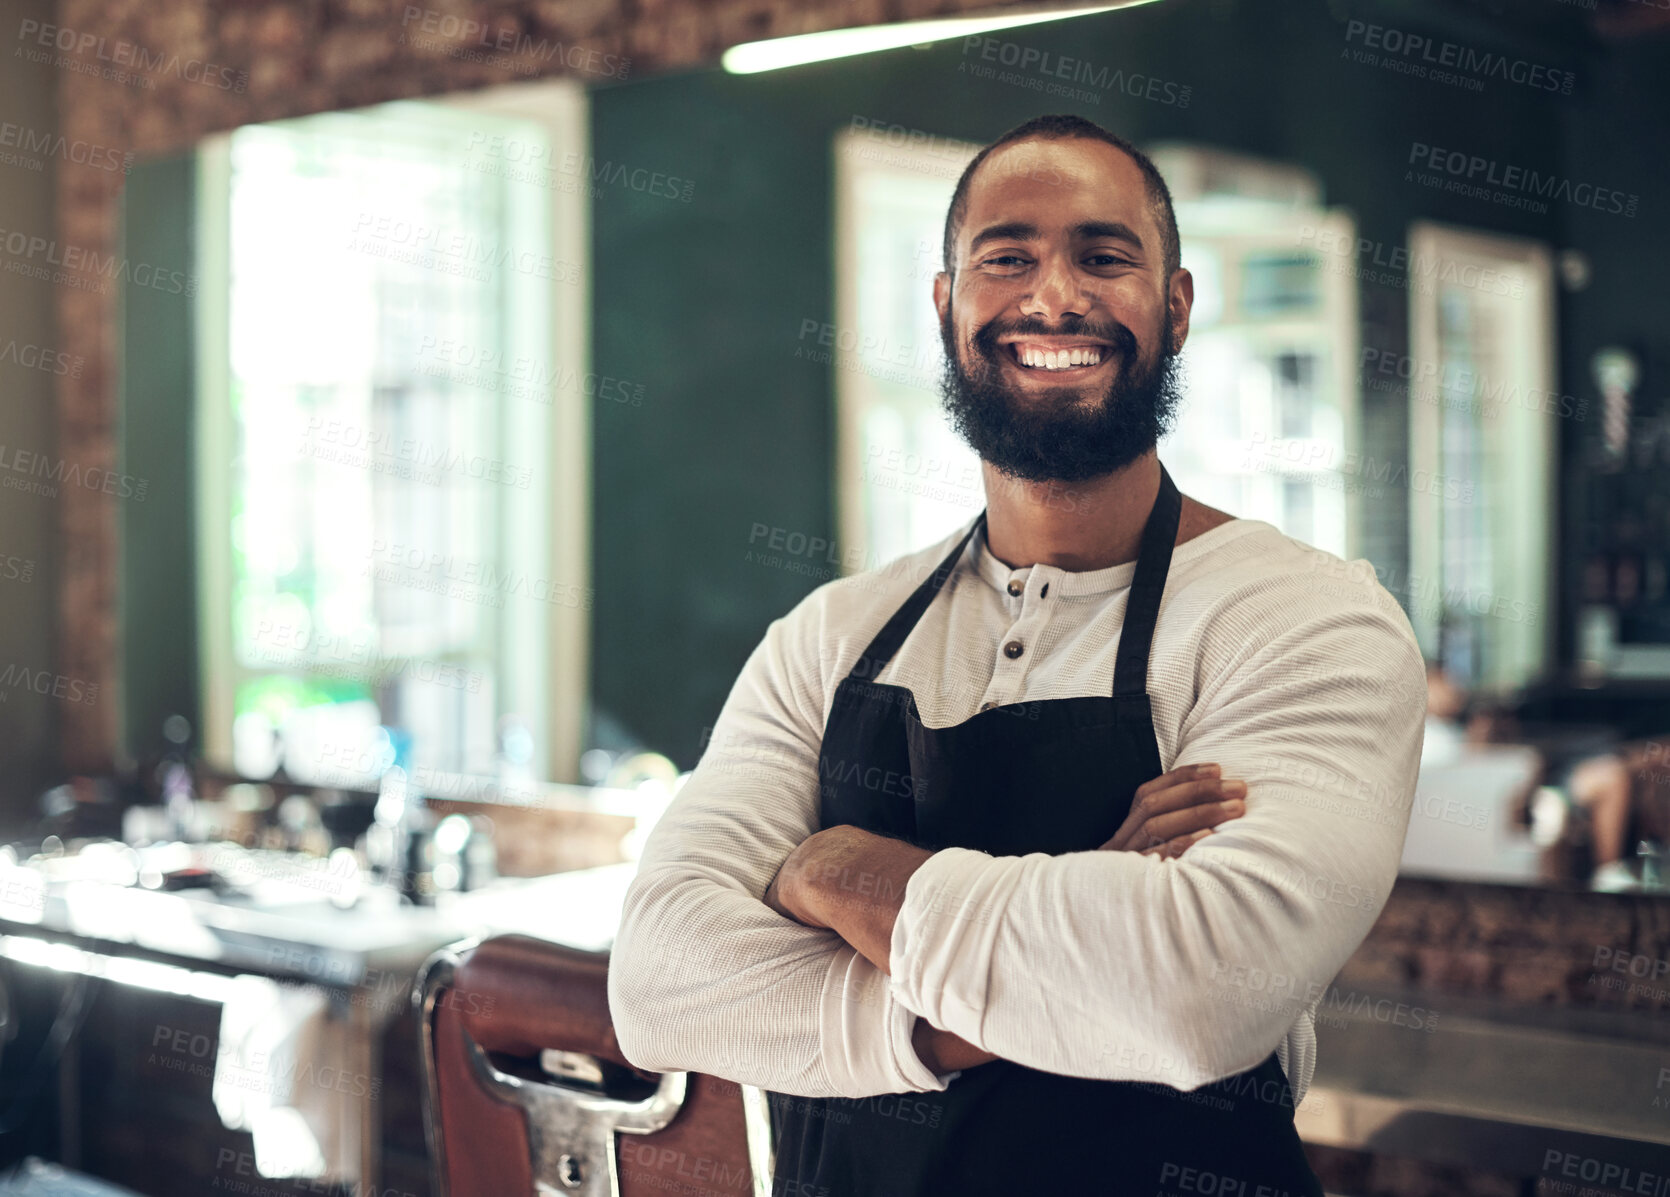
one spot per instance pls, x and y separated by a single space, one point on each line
380 479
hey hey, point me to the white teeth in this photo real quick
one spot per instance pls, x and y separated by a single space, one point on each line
1061 359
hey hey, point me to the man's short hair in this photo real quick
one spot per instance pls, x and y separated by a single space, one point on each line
1053 127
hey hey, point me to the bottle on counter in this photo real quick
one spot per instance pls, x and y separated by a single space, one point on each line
399 843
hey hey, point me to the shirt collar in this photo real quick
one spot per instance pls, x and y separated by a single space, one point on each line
1068 583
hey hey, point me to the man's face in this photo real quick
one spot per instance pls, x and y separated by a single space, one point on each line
1059 261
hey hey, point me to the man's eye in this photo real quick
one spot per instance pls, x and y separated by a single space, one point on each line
1101 260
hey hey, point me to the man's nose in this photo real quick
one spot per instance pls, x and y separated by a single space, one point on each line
1059 290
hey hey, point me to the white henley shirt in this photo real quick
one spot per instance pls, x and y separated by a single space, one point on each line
1294 670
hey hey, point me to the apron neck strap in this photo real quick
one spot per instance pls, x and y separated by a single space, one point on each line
1142 611
893 633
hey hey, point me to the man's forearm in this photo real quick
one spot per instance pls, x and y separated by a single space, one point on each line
856 887
685 992
852 882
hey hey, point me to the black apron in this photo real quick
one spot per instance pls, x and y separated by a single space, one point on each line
1000 1127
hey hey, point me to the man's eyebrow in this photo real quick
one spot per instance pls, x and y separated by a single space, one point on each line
1085 230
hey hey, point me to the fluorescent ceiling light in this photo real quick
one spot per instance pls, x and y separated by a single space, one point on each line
802 48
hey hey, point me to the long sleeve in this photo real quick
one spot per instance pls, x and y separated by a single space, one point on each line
703 975
1118 966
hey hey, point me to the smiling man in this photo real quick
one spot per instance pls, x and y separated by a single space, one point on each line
1022 863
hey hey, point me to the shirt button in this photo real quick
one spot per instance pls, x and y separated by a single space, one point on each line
1013 649
1015 587
986 706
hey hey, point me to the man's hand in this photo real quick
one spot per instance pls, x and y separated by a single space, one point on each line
851 881
820 867
942 1052
1177 810
787 892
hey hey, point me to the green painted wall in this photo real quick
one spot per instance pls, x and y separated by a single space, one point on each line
157 596
29 523
702 302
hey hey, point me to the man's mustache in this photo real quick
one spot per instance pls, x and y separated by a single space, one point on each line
1117 335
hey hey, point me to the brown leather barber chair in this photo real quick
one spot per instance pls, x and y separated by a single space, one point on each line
526 1090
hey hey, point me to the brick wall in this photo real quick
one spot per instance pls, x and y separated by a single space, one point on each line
1545 947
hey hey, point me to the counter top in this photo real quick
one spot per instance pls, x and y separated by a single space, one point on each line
297 921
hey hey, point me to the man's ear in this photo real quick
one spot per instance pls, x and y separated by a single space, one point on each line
942 294
1180 297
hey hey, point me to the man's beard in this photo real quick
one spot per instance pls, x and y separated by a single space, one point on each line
1066 434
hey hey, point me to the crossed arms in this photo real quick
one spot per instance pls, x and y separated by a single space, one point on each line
1117 965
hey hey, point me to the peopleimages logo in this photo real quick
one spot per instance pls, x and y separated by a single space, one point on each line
1381 262
1608 1174
508 40
451 251
1076 71
1479 64
475 581
36 357
1456 385
1464 171
20 467
123 53
29 141
30 255
44 682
